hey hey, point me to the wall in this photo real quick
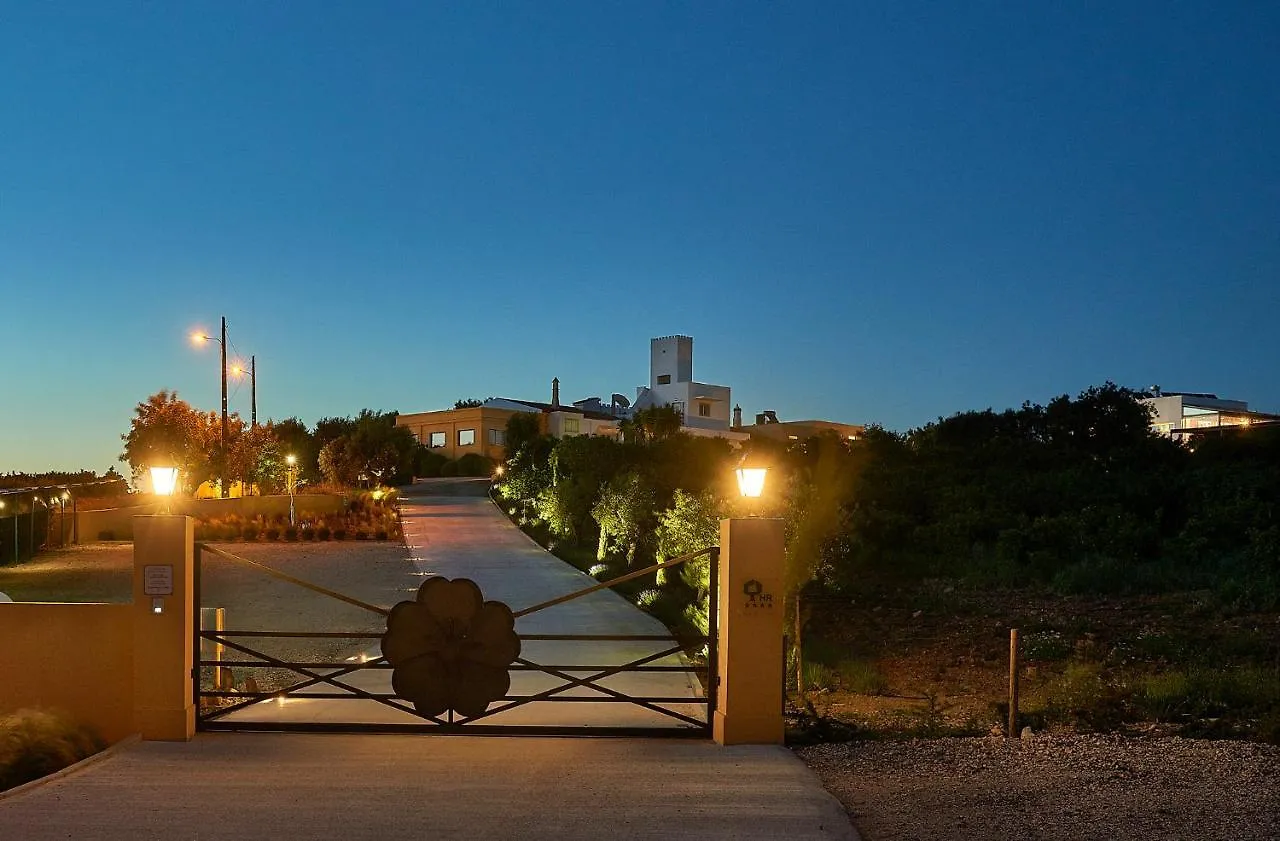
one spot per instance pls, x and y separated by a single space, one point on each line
74 657
450 421
670 356
119 521
800 430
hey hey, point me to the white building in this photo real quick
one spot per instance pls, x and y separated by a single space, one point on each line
1176 411
705 408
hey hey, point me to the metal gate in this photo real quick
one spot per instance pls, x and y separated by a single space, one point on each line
441 690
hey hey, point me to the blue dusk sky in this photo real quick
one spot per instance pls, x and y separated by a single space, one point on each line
863 212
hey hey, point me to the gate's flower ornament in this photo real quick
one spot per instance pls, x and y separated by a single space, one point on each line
450 648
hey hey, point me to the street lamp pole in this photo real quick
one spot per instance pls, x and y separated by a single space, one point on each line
291 480
253 390
222 466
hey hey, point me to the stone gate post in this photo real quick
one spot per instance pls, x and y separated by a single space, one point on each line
163 631
750 625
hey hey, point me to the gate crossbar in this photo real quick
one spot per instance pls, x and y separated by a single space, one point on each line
284 576
667 564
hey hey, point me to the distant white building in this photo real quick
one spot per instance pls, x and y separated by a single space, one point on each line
705 408
1176 412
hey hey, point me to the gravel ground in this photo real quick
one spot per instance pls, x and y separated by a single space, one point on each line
1055 788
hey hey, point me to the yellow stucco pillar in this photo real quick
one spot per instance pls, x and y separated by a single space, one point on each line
163 606
749 699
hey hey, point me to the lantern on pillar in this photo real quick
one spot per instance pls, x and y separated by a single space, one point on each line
752 472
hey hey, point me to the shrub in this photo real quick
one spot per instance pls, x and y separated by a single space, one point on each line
340 533
323 533
646 598
291 533
449 468
362 533
106 534
249 532
380 534
474 464
817 676
35 743
307 534
862 678
272 533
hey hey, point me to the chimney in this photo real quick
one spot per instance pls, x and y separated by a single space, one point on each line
737 415
555 391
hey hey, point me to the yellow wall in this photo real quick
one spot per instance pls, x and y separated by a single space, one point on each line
74 657
800 430
450 421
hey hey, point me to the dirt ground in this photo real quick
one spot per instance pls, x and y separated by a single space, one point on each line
940 654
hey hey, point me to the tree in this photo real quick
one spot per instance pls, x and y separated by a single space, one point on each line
468 403
524 430
691 524
653 424
294 439
167 429
255 459
625 512
338 464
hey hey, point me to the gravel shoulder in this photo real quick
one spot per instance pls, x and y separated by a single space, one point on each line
1055 788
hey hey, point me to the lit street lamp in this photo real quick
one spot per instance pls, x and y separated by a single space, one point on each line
291 481
222 467
163 482
752 472
239 371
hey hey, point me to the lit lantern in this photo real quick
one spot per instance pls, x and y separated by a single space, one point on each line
164 480
752 472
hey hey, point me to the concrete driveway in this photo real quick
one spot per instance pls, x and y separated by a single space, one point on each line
453 529
282 786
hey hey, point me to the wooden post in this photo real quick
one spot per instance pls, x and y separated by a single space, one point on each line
1013 683
799 649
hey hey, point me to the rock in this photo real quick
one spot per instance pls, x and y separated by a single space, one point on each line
1026 734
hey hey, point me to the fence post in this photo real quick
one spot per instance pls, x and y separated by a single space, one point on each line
799 649
1013 682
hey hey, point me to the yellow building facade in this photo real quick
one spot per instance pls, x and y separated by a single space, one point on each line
455 432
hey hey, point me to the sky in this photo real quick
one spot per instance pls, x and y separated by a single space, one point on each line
868 213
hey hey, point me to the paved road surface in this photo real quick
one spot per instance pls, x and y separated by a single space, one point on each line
250 786
453 529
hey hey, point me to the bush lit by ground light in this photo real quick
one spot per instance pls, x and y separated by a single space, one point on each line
35 743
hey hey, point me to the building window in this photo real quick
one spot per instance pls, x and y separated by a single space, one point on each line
572 426
704 410
437 440
466 437
664 379
498 437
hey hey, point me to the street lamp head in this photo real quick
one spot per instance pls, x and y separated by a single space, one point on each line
164 480
291 460
752 472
